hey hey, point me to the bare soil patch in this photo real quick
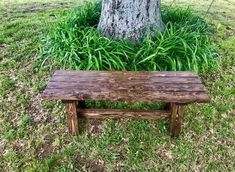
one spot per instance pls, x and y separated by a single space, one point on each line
90 165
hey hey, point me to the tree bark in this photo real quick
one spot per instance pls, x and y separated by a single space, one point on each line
129 19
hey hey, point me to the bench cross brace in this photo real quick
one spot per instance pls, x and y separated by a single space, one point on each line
76 110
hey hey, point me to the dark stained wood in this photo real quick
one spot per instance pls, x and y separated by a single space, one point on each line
129 73
121 113
120 79
176 89
176 119
123 95
132 86
72 118
185 87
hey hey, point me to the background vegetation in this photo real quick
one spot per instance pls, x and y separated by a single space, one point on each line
33 133
74 43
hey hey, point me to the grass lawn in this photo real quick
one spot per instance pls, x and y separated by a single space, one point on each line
33 133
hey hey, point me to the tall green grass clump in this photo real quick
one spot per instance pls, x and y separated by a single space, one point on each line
74 43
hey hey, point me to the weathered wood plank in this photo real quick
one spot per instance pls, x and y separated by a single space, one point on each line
121 113
131 86
176 119
123 79
123 73
126 95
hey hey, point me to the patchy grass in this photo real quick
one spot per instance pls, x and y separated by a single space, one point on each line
33 133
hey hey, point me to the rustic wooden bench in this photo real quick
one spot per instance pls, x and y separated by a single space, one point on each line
176 89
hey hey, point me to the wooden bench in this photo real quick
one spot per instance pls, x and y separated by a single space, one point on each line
177 89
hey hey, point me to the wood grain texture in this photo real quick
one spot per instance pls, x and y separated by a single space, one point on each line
176 117
129 19
72 118
120 113
128 73
185 87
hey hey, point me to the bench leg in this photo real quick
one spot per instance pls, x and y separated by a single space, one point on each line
72 116
176 119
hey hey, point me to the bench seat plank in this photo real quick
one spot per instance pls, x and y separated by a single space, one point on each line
129 73
184 87
131 86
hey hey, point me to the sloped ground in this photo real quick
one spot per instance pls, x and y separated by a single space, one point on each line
33 133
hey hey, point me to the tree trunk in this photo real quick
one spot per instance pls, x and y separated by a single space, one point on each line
129 19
